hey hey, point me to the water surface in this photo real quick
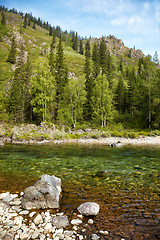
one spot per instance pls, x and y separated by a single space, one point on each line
124 181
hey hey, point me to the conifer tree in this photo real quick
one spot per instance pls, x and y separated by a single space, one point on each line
29 21
121 96
19 94
96 61
88 83
103 56
61 75
75 42
81 47
34 25
3 21
51 55
131 92
12 53
50 31
25 21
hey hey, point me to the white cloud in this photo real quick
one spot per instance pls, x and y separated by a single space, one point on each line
136 20
109 7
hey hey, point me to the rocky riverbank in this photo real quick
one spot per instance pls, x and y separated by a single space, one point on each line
32 134
17 223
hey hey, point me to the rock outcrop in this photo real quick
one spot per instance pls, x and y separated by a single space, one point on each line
44 194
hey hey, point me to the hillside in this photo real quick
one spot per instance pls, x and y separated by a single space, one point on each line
124 64
38 42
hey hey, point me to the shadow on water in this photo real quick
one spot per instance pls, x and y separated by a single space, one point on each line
124 181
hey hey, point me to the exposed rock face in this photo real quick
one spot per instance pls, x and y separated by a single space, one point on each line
88 209
44 194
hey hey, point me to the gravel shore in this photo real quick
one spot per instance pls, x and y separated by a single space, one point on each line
111 140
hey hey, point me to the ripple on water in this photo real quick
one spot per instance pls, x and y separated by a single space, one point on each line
123 181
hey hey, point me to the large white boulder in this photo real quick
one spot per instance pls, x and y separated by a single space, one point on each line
89 209
44 194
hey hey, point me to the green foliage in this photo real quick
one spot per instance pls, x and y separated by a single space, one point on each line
3 21
71 108
102 101
129 85
61 74
43 91
12 54
81 47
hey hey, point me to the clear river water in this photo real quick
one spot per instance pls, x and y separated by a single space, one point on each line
124 181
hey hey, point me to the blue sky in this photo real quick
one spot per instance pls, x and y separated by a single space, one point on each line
136 22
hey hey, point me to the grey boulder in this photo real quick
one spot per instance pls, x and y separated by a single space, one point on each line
88 209
43 194
60 221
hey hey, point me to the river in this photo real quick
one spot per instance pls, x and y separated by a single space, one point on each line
123 181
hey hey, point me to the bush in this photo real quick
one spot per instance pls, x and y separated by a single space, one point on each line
133 135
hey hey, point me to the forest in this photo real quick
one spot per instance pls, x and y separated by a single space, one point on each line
90 85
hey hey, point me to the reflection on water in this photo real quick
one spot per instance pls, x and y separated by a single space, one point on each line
124 181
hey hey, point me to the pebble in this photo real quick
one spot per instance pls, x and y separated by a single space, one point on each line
24 236
80 237
90 221
35 234
95 237
104 232
32 214
42 237
38 219
25 212
76 222
48 226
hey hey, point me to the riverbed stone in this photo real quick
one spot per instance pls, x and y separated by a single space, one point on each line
60 221
89 209
38 219
44 194
76 222
94 237
90 221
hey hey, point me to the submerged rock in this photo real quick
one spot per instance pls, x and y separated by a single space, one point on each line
88 209
117 144
44 194
94 237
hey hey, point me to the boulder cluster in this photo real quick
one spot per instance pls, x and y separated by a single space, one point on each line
30 215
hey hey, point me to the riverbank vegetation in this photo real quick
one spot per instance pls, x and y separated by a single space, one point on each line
54 76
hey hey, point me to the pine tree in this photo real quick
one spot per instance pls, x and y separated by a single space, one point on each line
51 55
3 21
110 70
29 21
50 31
61 74
75 42
25 21
103 56
96 61
12 53
19 94
131 92
121 96
88 83
34 25
81 47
